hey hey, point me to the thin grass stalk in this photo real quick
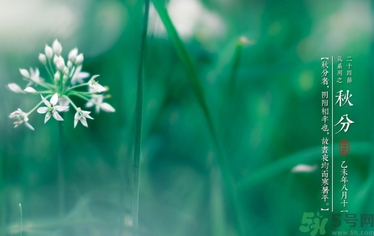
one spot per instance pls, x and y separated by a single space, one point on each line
139 120
195 80
21 219
234 68
2 198
371 163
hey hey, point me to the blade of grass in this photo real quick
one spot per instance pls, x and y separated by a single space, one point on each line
235 65
2 196
217 205
138 121
20 219
199 92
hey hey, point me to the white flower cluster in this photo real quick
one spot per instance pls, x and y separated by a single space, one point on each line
65 81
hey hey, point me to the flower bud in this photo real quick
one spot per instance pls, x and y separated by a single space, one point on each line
60 63
57 48
70 64
14 88
42 58
57 75
79 59
48 51
60 66
107 107
29 90
66 71
73 55
24 73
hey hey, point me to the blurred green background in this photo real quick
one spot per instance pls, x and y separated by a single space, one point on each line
263 95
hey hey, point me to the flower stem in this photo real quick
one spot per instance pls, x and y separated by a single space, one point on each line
138 122
60 171
48 70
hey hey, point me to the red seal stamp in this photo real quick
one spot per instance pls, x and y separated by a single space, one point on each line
344 147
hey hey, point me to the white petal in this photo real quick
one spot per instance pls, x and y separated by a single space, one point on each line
15 88
75 122
42 110
45 101
54 99
29 126
61 108
30 90
84 121
47 117
94 77
96 87
87 114
16 114
57 116
106 107
76 116
82 75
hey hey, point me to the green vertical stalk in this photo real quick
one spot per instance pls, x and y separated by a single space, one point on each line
235 65
21 219
60 171
2 198
193 76
138 121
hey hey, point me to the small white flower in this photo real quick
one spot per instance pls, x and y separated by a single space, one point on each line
51 108
97 101
81 116
48 51
73 55
24 73
79 59
15 88
29 90
78 76
35 77
42 58
95 86
22 118
57 48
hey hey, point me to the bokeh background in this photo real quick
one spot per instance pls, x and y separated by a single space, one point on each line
258 63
